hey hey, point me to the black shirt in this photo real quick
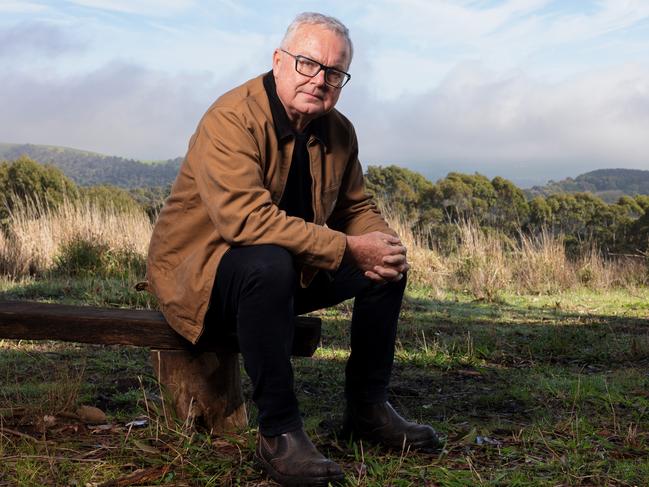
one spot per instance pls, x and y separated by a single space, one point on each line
297 199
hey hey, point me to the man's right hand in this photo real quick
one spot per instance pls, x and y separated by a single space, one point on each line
382 257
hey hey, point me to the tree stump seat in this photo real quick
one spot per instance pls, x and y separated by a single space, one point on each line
203 381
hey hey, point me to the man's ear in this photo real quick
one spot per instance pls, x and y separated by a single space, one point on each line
276 61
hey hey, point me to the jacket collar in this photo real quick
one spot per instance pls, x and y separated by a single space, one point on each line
283 128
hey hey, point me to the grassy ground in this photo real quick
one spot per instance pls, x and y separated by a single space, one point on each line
530 390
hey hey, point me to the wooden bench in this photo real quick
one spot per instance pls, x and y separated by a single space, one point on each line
202 381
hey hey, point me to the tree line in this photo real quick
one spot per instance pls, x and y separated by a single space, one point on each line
27 182
584 220
91 169
432 209
608 184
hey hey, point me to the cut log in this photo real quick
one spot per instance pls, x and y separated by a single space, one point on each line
203 388
21 320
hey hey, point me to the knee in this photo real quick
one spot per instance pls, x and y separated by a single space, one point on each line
397 288
394 288
271 268
403 282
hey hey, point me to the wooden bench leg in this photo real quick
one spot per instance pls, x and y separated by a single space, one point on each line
203 387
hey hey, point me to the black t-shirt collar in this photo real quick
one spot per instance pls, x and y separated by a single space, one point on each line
281 121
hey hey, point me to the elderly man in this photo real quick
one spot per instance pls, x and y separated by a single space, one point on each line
268 219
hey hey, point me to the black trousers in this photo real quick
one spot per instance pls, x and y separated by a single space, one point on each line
257 290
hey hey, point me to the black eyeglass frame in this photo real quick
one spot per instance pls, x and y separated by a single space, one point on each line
326 69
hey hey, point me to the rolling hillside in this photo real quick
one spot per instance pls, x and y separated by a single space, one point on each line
608 184
90 168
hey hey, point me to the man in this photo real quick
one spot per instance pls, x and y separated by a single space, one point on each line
267 220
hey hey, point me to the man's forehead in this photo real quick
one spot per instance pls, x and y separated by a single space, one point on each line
314 41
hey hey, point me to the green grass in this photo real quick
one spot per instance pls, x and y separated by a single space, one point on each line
528 391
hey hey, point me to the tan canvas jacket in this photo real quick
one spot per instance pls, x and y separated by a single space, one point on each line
226 194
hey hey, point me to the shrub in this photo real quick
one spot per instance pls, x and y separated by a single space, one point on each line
83 257
76 236
109 198
25 181
80 257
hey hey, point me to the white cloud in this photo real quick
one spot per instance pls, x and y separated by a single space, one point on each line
430 23
9 6
520 88
152 8
497 123
535 35
121 109
510 124
35 38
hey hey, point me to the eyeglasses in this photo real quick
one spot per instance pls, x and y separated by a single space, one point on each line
308 67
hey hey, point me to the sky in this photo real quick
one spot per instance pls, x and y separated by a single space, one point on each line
530 90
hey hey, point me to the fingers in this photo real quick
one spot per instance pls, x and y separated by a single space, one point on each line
391 239
374 277
394 259
396 249
398 262
382 256
388 273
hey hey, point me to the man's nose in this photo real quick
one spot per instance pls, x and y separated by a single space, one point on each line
319 79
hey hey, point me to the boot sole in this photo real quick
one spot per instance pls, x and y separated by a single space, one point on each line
295 481
424 446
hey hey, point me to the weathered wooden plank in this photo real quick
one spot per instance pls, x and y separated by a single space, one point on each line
113 326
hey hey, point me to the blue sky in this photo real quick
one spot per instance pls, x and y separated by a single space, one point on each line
527 89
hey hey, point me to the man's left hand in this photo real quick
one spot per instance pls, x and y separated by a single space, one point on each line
393 269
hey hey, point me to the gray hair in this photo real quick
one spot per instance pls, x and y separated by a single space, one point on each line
312 18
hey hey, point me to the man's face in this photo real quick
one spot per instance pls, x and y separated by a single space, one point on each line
306 98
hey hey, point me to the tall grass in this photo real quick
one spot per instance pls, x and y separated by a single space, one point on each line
428 267
484 264
39 240
81 239
541 264
480 265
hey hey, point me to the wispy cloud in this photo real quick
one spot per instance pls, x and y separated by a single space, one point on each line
36 38
543 37
529 89
10 6
120 109
431 23
510 124
153 8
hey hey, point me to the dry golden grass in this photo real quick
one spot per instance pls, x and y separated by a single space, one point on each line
36 234
596 272
483 263
429 268
540 264
486 264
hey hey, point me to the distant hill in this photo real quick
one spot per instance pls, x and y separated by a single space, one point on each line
608 184
90 168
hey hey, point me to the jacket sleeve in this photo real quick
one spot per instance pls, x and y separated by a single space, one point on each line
226 161
355 212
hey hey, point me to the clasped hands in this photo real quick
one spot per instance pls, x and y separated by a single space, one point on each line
381 257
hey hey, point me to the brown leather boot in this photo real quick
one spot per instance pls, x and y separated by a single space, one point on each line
292 460
381 424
